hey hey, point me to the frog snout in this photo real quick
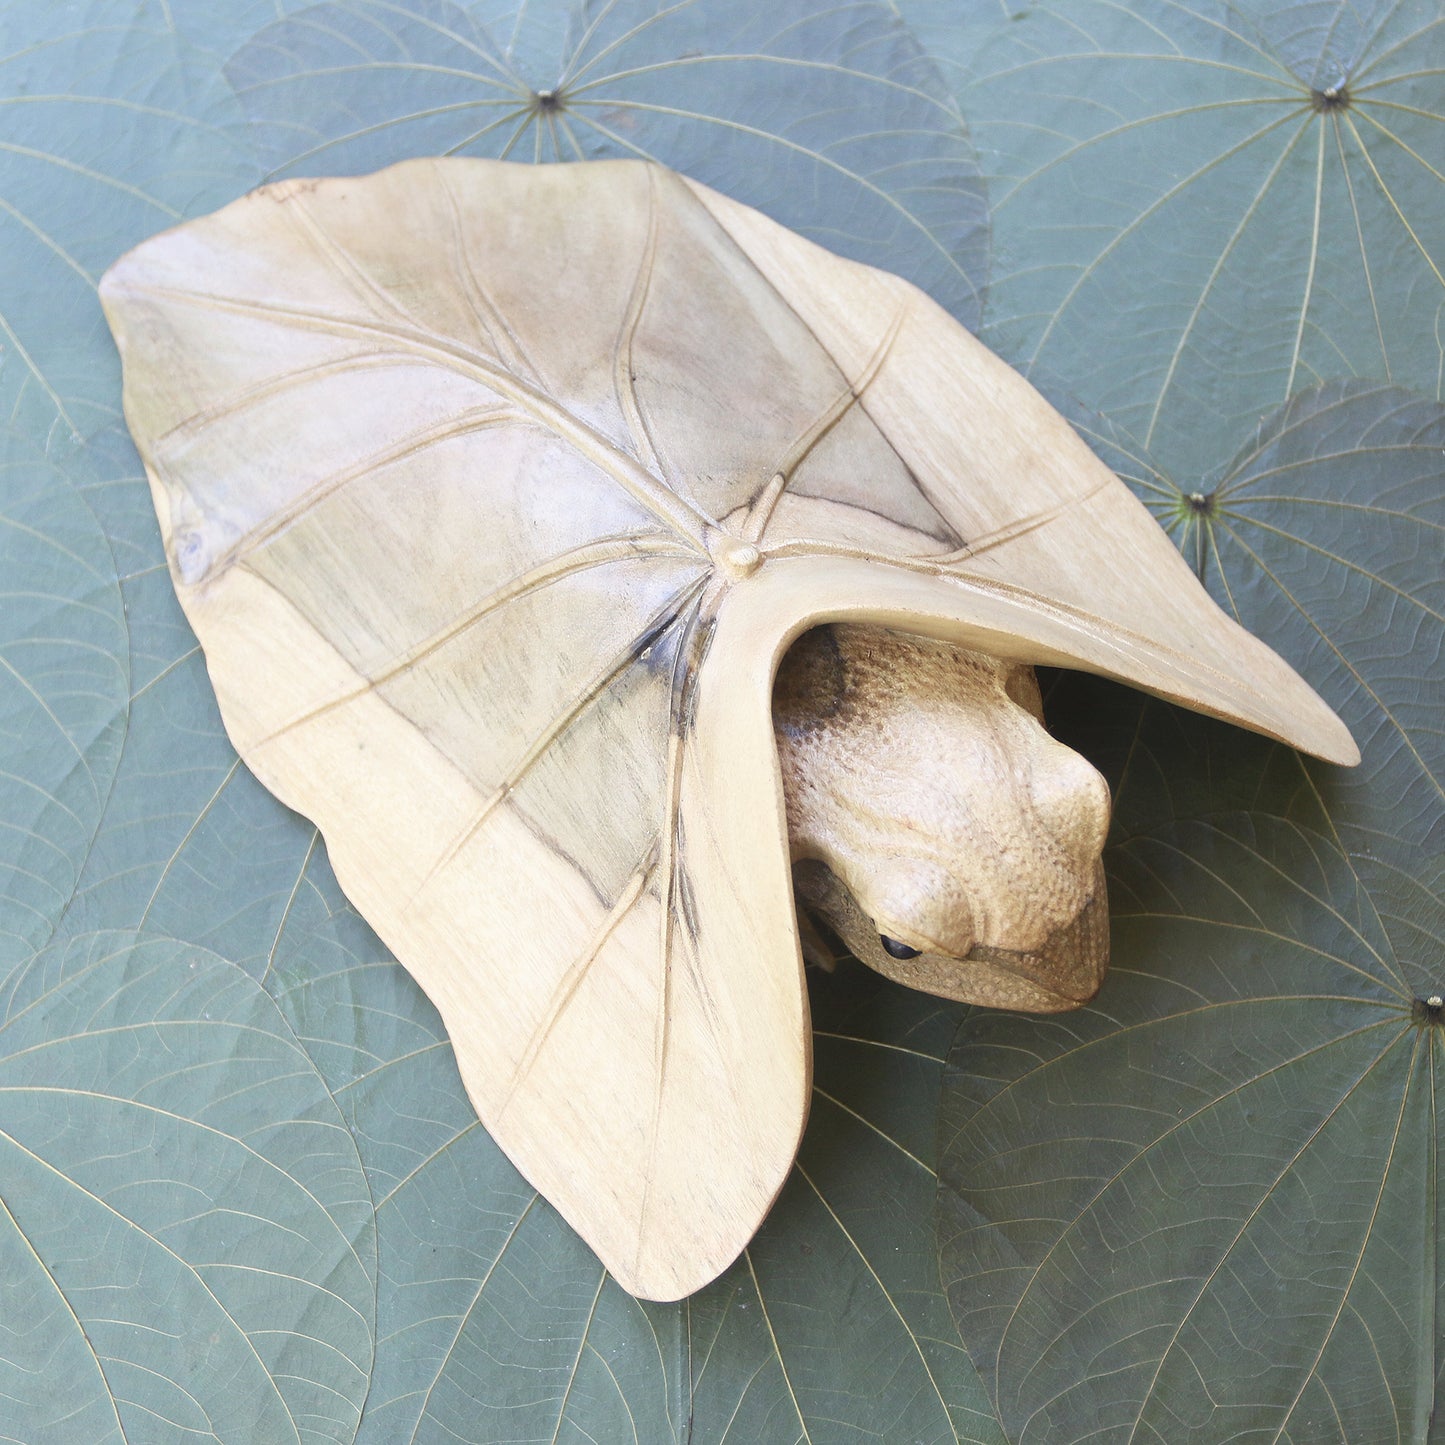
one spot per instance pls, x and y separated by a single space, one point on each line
1070 800
961 839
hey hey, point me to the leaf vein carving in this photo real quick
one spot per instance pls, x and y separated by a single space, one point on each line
577 971
591 691
603 552
622 374
488 315
466 423
673 511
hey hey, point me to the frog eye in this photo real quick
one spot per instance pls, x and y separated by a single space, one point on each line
894 949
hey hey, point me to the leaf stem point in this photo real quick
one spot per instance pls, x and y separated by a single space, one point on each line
1332 97
736 559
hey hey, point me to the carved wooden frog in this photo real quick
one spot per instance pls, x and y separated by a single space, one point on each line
934 823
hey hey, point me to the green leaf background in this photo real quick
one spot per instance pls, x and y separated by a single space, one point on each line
242 1195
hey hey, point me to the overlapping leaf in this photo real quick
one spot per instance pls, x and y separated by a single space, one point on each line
109 130
1207 1206
827 117
63 693
1201 209
186 1236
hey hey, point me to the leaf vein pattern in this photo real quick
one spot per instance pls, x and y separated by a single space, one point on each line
1386 711
828 162
623 469
1149 211
505 341
623 375
572 978
182 1264
594 688
463 424
463 1317
882 1289
60 1294
1365 1236
777 1351
1177 1126
669 866
1365 268
361 132
1197 310
581 1347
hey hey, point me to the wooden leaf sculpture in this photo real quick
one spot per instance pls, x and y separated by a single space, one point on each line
495 494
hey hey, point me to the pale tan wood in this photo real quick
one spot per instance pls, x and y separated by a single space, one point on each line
495 495
1036 507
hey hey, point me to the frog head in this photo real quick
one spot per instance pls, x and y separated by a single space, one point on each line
934 823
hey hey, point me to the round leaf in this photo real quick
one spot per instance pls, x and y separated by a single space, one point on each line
64 688
1198 212
185 1228
1208 1206
830 119
111 131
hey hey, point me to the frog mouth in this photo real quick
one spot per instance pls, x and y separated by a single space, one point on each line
1064 972
1069 968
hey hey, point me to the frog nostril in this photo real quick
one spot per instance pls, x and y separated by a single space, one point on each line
894 949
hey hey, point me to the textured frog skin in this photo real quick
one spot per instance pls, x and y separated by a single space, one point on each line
927 804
